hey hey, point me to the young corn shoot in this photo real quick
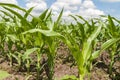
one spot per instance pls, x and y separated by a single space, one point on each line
33 35
85 54
113 33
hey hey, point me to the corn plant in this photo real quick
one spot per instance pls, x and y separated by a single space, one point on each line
112 31
84 53
47 37
26 59
14 32
2 35
7 38
41 34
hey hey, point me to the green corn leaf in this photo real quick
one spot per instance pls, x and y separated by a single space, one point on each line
95 55
28 52
43 15
104 46
48 15
86 22
82 18
111 26
7 14
116 20
86 50
79 57
95 33
87 47
49 21
18 15
38 40
103 16
58 19
6 19
3 74
82 31
50 25
109 43
12 6
28 12
13 37
44 32
14 56
89 30
74 17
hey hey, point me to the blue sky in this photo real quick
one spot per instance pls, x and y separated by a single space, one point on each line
109 7
85 8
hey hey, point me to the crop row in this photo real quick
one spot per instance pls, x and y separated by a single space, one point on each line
24 34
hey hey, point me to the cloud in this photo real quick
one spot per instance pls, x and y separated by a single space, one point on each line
90 13
9 1
110 0
88 9
39 6
88 4
84 8
69 5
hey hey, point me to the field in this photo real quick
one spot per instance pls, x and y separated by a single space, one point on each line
40 48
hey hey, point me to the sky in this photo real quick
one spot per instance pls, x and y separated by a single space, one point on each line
85 8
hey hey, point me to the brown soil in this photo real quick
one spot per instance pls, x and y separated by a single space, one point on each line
65 65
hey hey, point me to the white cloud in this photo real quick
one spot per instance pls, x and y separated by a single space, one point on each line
70 7
90 12
9 1
88 4
39 6
88 9
84 8
111 0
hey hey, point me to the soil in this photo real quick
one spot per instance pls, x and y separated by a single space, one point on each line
65 65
